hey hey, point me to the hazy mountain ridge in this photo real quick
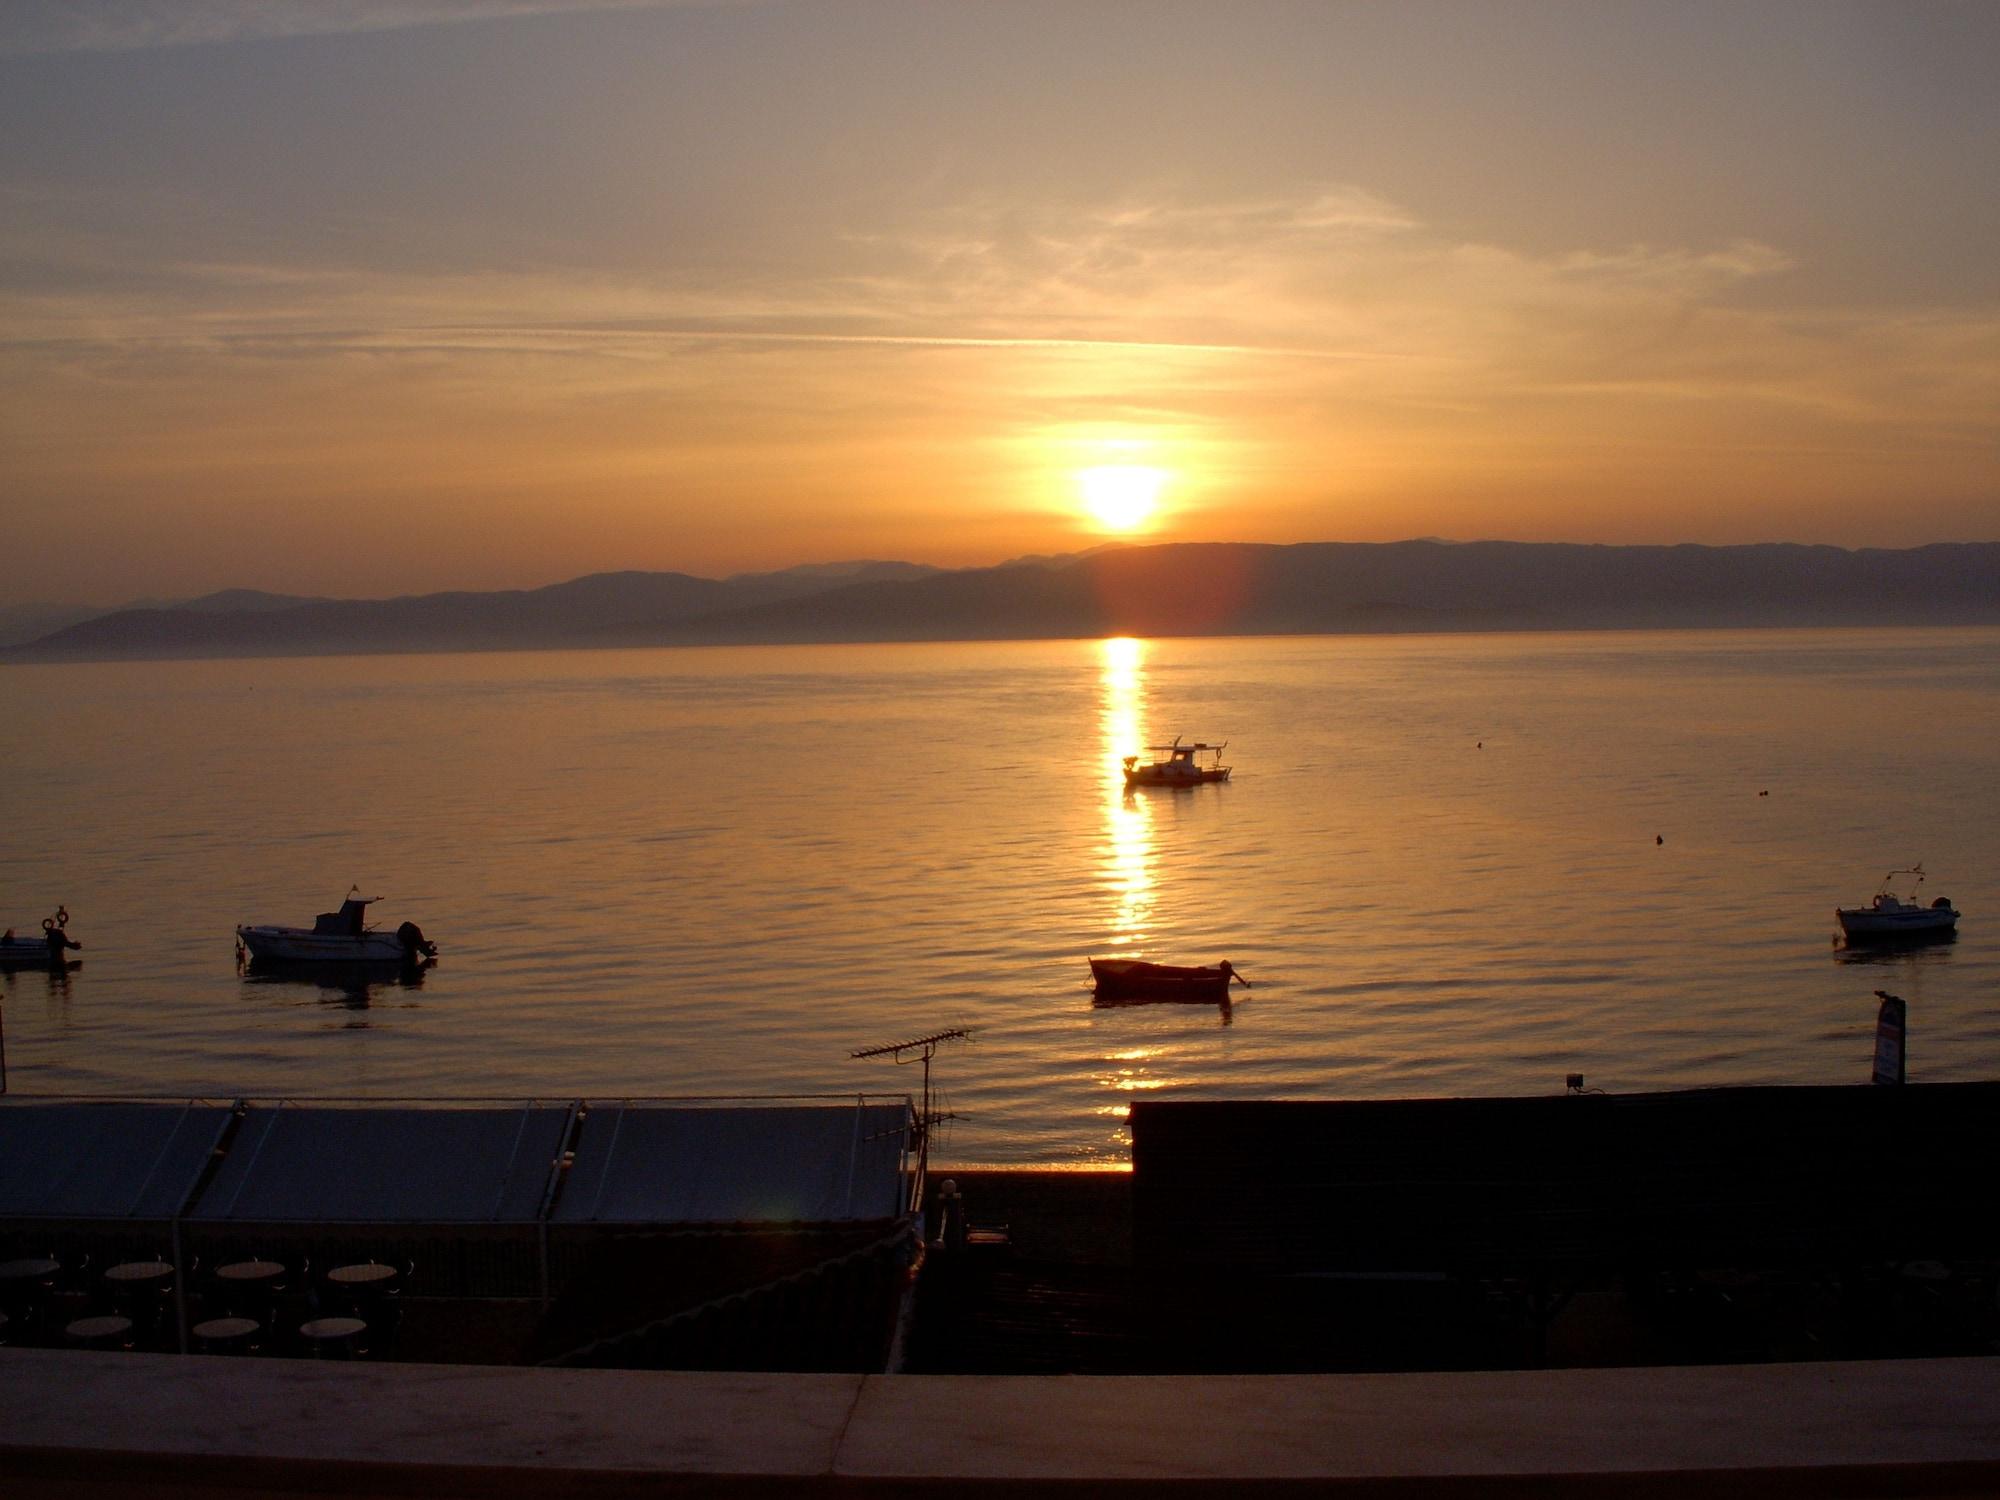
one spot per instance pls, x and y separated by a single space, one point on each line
451 621
819 574
21 624
242 601
248 622
1313 587
1171 589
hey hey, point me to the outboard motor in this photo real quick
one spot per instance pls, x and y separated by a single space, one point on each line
411 936
1943 903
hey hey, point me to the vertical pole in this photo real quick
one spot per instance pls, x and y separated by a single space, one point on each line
924 1122
180 1290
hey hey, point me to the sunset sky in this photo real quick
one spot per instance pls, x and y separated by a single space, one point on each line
379 296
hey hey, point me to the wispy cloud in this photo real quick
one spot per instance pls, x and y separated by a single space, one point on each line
1394 312
1274 341
45 26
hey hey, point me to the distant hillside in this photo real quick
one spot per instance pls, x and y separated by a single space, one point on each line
245 601
246 622
23 623
1184 589
823 575
1248 589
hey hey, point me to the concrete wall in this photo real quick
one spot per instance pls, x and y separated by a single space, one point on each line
79 1426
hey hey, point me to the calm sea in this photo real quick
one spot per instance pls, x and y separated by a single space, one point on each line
1449 865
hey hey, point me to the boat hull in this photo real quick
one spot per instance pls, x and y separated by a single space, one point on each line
1129 979
1153 776
33 955
304 946
1865 925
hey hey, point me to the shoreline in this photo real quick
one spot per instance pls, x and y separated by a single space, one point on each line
26 656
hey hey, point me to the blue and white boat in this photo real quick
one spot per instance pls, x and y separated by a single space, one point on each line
49 946
1897 913
337 937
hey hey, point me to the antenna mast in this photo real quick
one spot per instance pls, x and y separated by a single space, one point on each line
925 1048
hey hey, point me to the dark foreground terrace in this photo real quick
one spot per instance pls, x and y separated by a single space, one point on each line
1727 1291
1711 1226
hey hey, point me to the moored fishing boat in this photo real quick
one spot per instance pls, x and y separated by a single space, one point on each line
1896 913
337 937
52 947
1134 979
1185 765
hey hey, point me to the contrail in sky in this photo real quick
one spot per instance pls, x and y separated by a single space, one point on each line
45 26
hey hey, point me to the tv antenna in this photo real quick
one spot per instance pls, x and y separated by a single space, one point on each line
921 1049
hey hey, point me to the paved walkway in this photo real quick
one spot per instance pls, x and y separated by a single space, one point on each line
85 1425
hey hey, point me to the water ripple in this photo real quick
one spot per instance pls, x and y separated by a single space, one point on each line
722 872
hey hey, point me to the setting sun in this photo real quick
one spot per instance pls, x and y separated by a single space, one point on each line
1121 496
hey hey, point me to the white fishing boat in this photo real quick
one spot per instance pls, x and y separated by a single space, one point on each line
337 937
1184 765
1896 912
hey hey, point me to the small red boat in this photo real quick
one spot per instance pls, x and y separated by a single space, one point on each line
1133 979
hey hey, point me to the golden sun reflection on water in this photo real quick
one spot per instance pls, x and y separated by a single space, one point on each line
1131 1081
1128 1071
1127 861
1128 819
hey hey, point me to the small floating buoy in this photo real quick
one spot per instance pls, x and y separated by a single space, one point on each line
1763 794
1659 838
1480 746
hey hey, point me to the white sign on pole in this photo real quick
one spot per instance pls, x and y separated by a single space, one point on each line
1889 1032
